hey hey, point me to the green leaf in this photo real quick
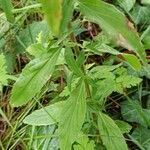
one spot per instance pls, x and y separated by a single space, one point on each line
3 72
36 50
142 135
72 117
67 11
133 112
141 15
133 61
29 35
69 57
81 59
104 71
7 7
110 133
145 2
146 42
33 78
123 126
99 48
108 79
115 23
71 85
127 5
84 144
103 88
146 38
46 140
53 12
10 57
125 80
45 116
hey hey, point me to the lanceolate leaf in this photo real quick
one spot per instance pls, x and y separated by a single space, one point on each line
115 23
33 78
72 117
110 133
45 116
53 12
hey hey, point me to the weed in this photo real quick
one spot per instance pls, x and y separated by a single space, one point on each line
74 75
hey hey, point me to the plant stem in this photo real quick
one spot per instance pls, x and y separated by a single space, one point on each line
77 52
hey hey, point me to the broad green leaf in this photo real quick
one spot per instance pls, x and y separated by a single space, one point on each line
123 126
33 78
133 112
132 60
142 135
83 143
45 116
69 57
127 5
115 23
72 117
110 133
67 11
53 12
7 7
